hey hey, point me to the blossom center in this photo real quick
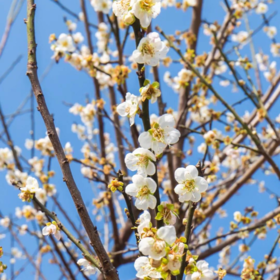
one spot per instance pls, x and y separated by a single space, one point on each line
143 160
159 246
143 191
157 133
127 109
146 5
190 185
65 44
147 49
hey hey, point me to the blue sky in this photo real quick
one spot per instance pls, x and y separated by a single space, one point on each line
65 84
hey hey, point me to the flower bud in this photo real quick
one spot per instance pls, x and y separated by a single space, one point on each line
128 18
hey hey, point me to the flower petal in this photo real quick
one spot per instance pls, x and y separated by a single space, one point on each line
121 109
152 201
196 196
145 140
151 169
201 184
191 172
131 189
180 175
168 234
145 245
151 184
142 203
166 120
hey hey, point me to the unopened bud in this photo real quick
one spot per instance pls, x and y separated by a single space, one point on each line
128 18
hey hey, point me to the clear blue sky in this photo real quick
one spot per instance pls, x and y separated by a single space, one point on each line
64 83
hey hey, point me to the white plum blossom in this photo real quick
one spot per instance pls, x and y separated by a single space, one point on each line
269 75
64 44
183 79
145 10
154 247
275 49
237 216
220 68
31 186
141 160
262 8
5 222
29 144
241 37
41 195
150 50
6 156
78 37
88 268
144 222
190 184
103 6
202 273
71 25
52 228
122 10
145 269
129 108
143 189
161 134
271 31
202 148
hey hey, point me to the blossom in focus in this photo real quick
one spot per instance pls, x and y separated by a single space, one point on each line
161 134
103 6
52 228
155 247
31 187
141 160
129 108
150 91
145 269
88 268
190 184
145 10
144 221
143 189
122 10
150 50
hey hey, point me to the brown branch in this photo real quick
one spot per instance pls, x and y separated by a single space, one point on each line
108 271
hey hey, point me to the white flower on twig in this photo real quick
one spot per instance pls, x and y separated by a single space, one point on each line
190 184
143 189
141 160
150 50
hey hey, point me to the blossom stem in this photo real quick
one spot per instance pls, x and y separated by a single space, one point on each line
145 105
53 216
188 230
